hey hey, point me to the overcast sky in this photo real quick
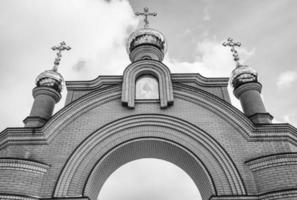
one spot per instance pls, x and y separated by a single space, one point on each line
97 31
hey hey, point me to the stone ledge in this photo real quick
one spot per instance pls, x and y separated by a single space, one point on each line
23 165
277 195
272 161
16 197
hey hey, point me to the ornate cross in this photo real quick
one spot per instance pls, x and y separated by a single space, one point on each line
146 13
59 48
230 42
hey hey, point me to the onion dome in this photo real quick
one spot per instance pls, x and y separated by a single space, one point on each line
243 74
146 36
146 43
50 78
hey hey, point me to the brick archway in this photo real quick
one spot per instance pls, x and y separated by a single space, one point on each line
149 136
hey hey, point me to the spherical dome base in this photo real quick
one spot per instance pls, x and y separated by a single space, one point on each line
243 74
50 78
146 43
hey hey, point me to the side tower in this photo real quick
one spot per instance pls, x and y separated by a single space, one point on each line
47 92
247 89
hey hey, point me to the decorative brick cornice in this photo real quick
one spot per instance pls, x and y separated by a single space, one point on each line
199 80
23 165
272 161
176 77
93 84
16 197
276 195
234 198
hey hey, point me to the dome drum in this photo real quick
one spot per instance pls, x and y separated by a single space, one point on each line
146 52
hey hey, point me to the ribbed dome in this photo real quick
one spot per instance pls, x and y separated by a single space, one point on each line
50 78
243 74
146 36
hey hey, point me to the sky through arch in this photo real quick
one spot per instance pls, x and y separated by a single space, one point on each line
161 180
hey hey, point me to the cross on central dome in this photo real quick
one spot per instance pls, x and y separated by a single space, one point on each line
146 43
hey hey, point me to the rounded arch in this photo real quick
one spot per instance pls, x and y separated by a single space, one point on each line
151 67
156 136
150 147
150 178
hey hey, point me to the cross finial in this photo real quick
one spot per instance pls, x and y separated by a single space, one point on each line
146 13
230 42
59 48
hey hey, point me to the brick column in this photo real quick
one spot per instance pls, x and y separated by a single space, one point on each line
46 94
45 99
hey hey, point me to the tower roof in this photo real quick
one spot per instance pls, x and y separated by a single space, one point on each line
146 43
146 36
52 78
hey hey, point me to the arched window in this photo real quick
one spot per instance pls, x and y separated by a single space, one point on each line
147 87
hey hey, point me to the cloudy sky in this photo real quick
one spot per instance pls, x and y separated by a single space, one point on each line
97 31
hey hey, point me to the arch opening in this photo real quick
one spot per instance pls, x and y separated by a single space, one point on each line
149 178
149 148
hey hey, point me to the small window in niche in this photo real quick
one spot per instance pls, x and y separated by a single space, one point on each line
147 87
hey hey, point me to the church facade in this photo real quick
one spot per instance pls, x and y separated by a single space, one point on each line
149 112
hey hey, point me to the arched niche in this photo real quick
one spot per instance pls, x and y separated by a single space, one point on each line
149 136
149 178
147 87
147 67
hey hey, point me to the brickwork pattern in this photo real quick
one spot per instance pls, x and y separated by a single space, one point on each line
21 177
100 105
275 172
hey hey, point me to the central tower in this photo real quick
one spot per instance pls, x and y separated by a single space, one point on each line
146 48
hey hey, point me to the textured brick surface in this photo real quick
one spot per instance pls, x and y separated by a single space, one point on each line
21 177
223 131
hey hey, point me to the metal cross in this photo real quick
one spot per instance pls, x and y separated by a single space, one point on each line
230 42
59 48
146 13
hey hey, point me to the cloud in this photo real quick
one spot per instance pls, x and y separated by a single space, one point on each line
290 118
206 14
211 60
80 65
95 29
286 79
